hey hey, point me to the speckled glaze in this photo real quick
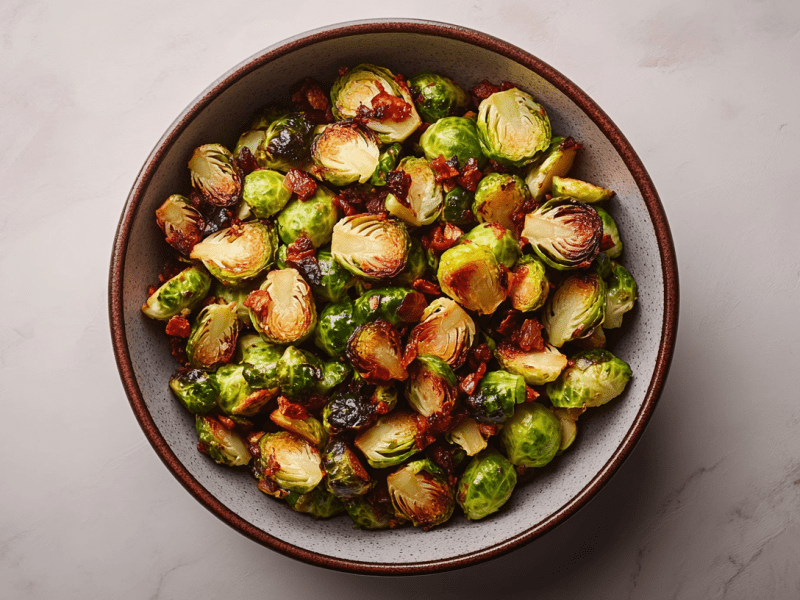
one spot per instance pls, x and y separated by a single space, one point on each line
408 47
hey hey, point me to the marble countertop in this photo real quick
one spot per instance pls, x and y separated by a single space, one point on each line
707 506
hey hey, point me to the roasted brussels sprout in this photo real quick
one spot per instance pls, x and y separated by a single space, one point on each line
384 398
237 295
181 293
260 360
345 153
391 440
416 264
375 88
336 325
467 435
529 285
290 461
299 373
236 397
594 341
387 161
424 201
370 246
497 197
611 242
221 444
564 233
421 493
265 193
596 377
532 437
347 411
313 218
215 175
602 265
236 254
458 207
368 515
486 485
446 331
580 190
376 352
536 368
512 127
495 238
393 304
334 373
453 136
282 309
181 222
196 389
556 162
286 143
621 295
437 97
431 387
347 477
212 341
319 503
496 396
335 280
309 428
472 277
568 417
575 309
251 140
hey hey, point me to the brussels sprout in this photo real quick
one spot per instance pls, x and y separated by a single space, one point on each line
602 265
536 368
596 377
196 390
391 440
424 201
386 163
251 140
416 264
532 437
236 397
215 175
299 373
309 428
496 396
437 97
497 197
468 436
345 153
564 233
376 352
334 373
568 418
290 461
366 515
347 477
446 331
282 309
458 207
212 341
486 485
621 296
370 246
580 190
319 503
611 242
236 254
335 280
529 285
421 492
313 218
431 387
472 277
265 193
360 86
181 293
347 411
453 136
221 444
512 127
237 295
495 238
556 162
575 309
393 304
336 325
260 361
286 143
181 222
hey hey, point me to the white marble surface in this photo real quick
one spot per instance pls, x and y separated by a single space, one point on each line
708 506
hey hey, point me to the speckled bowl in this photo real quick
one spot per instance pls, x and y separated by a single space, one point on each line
408 47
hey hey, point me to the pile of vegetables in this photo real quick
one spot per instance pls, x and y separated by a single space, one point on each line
391 299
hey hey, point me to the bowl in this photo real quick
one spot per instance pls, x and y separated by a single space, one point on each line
407 47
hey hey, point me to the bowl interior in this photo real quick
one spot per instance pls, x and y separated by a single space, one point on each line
220 120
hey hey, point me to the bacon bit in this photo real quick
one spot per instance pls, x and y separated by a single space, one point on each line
426 287
300 183
376 205
179 326
470 175
291 409
343 71
488 429
569 144
483 90
511 322
570 362
411 308
251 441
152 290
259 302
518 218
469 383
606 243
315 403
443 170
183 243
443 457
422 439
271 488
301 256
227 422
441 237
169 271
479 354
470 114
508 85
353 202
202 447
246 161
311 95
530 394
529 336
497 167
387 107
400 80
177 347
399 183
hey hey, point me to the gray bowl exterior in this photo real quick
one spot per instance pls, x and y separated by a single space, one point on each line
606 435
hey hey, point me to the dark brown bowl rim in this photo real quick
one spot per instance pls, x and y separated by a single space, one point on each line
603 122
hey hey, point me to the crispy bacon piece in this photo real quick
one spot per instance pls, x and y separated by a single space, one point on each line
226 422
488 429
444 170
179 327
479 354
441 237
518 218
311 99
399 183
376 204
152 290
496 167
291 409
251 441
511 322
529 336
483 90
177 347
442 455
387 107
423 439
300 183
470 175
426 287
246 161
302 257
169 271
469 383
508 85
530 394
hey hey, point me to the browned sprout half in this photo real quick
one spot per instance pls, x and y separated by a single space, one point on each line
181 222
212 341
537 368
370 246
236 254
471 276
446 331
421 492
282 309
215 175
376 351
467 434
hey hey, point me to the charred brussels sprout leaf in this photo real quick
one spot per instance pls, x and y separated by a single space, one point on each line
424 201
376 352
347 477
212 341
282 309
221 444
421 493
391 440
580 190
345 153
335 281
181 223
347 412
532 437
556 162
536 368
472 277
290 461
236 254
431 387
458 207
529 285
497 197
319 503
393 304
496 396
265 193
611 242
446 331
299 373
438 97
215 175
467 435
496 239
386 163
309 429
512 127
621 296
236 397
336 325
575 309
181 293
597 377
313 218
453 136
370 246
486 485
286 143
196 389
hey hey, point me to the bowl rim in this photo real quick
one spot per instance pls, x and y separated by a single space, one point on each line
488 42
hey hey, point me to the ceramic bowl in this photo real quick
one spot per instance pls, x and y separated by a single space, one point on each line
409 47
